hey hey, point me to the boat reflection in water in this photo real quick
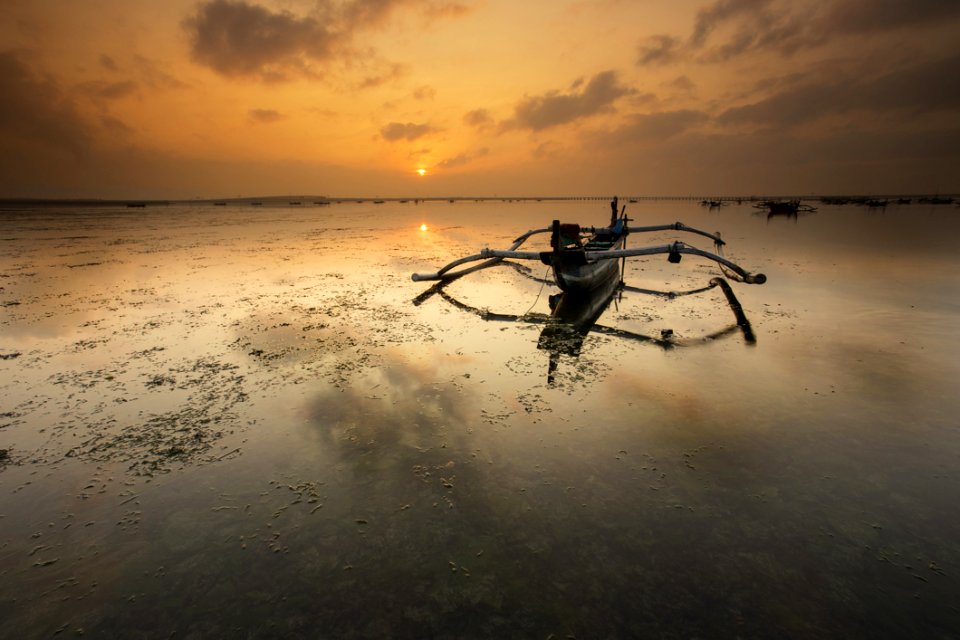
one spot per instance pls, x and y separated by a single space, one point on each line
575 314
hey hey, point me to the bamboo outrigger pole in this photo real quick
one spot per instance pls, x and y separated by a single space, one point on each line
444 273
494 256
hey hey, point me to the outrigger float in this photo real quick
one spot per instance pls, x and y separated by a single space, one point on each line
585 258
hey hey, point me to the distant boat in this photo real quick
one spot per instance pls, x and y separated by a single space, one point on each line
784 207
378 202
295 202
322 203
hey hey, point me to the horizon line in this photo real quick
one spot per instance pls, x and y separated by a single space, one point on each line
298 199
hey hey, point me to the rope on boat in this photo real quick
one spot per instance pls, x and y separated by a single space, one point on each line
542 284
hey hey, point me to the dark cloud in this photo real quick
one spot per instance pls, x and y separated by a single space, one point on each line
681 83
115 126
917 89
654 127
479 118
419 153
720 12
424 92
851 16
552 109
35 109
363 13
241 39
392 72
752 25
152 74
446 10
265 115
404 131
787 27
547 149
463 159
110 90
108 63
659 49
237 38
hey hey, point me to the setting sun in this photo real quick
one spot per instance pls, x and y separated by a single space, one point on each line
422 172
423 227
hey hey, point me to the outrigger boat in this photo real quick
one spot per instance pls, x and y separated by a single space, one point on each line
587 265
584 258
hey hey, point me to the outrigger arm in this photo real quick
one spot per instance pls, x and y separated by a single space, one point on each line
678 226
674 249
494 256
444 273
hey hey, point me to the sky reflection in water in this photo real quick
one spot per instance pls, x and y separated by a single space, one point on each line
224 418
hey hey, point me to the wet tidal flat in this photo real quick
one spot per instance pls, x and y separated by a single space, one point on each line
250 422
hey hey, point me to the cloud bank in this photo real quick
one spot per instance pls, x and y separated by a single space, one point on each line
236 38
404 131
554 108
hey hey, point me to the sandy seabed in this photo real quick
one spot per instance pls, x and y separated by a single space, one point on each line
250 422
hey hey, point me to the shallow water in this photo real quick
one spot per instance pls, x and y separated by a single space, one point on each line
235 421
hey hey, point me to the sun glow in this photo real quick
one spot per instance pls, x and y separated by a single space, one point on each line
422 172
423 227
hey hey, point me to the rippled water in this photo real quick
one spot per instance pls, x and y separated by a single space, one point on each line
250 422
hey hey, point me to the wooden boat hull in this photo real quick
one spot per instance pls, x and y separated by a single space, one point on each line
575 273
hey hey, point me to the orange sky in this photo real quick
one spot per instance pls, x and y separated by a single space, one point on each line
177 99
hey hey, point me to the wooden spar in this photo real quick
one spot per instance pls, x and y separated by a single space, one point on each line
495 255
677 226
443 274
593 256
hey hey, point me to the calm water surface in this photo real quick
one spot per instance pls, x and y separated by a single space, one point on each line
237 422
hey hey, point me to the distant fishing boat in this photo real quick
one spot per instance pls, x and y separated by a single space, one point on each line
784 207
585 258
